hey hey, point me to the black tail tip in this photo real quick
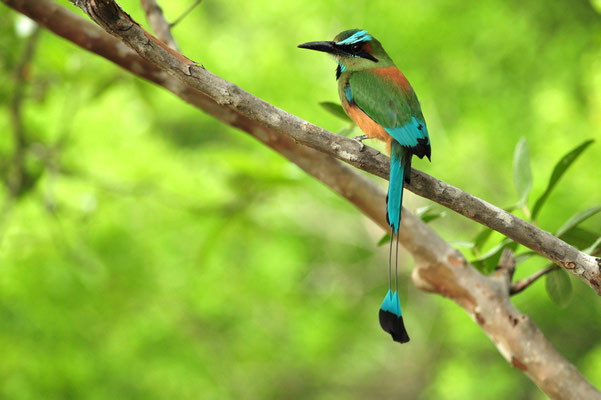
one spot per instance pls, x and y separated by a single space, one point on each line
394 325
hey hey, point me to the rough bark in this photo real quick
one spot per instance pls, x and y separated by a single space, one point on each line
159 24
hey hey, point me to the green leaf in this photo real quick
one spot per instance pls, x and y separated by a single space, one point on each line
560 168
577 219
489 260
427 214
432 217
336 110
384 240
461 244
522 174
592 247
520 258
579 238
481 239
559 287
494 250
423 210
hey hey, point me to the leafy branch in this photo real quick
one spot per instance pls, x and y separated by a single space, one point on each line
558 284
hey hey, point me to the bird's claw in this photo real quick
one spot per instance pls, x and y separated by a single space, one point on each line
360 139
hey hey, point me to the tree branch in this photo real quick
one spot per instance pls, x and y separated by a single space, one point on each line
108 15
439 267
506 266
185 13
519 286
159 24
17 174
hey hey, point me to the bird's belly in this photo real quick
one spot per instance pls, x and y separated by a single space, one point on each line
366 124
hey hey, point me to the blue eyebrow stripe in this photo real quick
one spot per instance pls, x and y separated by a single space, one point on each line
361 36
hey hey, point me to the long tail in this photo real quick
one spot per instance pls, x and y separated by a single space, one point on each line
399 158
391 318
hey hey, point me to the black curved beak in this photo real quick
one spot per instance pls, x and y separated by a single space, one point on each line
326 47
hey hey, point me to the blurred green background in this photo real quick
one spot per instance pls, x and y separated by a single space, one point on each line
158 254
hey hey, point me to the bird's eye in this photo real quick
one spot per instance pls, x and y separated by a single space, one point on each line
356 47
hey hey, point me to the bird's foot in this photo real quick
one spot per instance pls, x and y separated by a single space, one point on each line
360 139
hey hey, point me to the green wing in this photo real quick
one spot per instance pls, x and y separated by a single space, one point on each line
397 111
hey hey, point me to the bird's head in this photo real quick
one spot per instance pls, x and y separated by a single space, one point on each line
354 50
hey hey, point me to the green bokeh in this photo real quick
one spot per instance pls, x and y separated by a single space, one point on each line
170 256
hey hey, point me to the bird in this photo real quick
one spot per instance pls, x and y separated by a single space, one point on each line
377 96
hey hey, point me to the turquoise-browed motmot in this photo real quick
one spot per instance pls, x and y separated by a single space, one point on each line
378 97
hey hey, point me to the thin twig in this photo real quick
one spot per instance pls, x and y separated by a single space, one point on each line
506 266
520 286
185 13
159 24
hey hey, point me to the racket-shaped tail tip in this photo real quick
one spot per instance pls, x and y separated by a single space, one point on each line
391 319
394 325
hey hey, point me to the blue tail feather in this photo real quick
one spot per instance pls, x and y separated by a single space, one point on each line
397 304
395 186
388 303
391 303
391 319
